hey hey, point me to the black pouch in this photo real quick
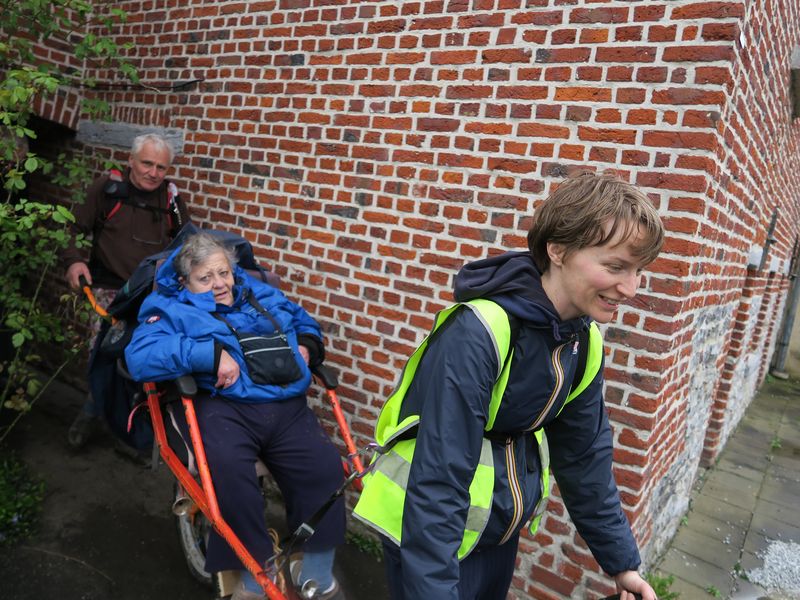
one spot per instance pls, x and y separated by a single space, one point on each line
269 358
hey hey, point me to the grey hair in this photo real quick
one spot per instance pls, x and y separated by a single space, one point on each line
155 139
197 249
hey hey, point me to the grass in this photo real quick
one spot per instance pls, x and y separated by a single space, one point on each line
661 585
20 501
366 544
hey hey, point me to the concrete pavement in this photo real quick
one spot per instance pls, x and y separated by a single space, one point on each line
745 508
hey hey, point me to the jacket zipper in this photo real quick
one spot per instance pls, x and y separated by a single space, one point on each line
514 488
559 370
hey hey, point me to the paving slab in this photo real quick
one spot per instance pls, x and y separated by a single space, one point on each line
720 553
721 530
732 489
754 470
780 512
696 571
774 529
781 490
688 590
722 511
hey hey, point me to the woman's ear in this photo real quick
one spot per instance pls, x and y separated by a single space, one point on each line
555 252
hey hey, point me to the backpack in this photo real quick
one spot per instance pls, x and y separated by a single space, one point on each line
117 193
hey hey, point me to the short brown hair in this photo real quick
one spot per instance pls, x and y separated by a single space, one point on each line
574 216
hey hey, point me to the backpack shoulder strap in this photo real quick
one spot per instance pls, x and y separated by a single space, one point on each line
590 358
115 192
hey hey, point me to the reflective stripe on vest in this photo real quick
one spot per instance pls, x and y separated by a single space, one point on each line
381 502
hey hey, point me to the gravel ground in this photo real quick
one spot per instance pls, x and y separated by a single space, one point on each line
780 574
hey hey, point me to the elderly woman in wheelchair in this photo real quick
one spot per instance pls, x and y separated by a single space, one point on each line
249 349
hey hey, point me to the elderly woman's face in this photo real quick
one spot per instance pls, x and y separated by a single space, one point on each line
214 275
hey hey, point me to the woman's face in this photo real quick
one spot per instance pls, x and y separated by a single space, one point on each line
214 275
595 280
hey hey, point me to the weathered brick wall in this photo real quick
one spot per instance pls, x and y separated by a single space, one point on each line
369 149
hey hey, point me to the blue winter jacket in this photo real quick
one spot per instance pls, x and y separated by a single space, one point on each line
451 392
177 333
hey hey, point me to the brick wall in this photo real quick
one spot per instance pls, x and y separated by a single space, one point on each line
369 149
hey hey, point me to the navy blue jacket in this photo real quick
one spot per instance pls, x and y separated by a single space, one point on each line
177 335
451 392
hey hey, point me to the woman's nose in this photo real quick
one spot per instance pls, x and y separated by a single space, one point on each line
629 284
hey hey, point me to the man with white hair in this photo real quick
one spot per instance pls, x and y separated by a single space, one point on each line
129 216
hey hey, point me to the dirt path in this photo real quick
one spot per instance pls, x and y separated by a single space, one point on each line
106 529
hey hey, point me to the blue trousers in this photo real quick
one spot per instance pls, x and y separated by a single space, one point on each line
485 574
304 462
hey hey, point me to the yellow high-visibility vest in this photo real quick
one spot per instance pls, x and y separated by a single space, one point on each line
381 502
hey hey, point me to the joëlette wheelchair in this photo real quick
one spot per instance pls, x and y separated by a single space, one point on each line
195 504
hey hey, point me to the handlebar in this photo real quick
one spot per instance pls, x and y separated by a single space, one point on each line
326 376
87 290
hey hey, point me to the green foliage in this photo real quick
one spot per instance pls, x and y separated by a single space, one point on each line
20 500
32 234
775 444
714 591
661 585
367 545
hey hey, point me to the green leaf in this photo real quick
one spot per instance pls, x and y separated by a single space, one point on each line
31 164
17 340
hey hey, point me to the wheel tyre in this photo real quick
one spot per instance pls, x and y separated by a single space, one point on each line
193 532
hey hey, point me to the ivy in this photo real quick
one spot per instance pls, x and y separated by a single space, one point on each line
33 233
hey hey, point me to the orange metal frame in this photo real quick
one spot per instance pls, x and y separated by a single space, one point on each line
203 494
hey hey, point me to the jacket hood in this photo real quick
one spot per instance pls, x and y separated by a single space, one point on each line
168 285
515 283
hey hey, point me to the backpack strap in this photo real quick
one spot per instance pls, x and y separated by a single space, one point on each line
117 193
583 354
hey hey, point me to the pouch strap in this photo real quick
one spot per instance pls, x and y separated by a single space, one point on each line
251 299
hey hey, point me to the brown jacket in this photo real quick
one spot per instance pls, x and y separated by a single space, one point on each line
124 233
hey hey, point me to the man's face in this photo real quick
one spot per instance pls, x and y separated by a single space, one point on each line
149 167
595 280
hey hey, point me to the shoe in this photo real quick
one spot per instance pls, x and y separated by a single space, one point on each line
242 594
141 458
309 589
83 428
334 593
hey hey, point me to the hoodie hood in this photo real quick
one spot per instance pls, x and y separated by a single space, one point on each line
168 285
515 283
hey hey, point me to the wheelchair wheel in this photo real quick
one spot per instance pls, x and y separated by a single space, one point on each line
193 531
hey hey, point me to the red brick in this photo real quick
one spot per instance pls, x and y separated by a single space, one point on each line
680 139
705 53
542 130
709 10
598 15
688 96
509 55
453 57
614 136
638 54
592 94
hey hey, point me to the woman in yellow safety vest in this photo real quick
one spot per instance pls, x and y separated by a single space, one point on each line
463 462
